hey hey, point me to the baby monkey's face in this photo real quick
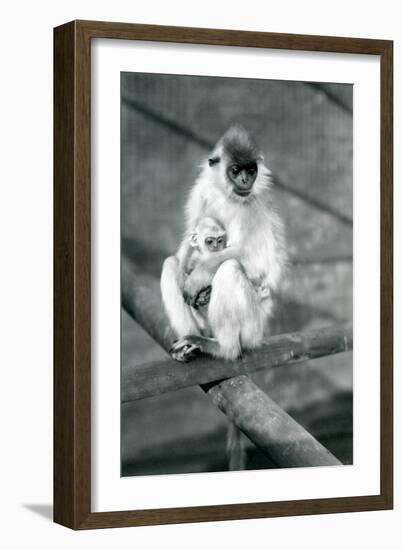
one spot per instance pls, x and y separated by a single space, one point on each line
215 243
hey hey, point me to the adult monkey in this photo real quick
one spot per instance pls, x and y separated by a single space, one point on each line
238 282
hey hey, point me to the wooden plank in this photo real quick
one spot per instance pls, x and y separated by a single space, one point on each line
64 481
387 274
168 375
226 37
72 286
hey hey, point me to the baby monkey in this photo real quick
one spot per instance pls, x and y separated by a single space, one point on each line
208 237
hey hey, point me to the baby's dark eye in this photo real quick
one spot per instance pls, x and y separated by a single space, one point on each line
209 240
251 172
219 240
235 170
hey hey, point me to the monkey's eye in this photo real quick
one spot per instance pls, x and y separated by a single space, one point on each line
219 240
235 170
251 171
209 241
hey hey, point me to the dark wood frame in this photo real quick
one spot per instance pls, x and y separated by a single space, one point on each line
72 320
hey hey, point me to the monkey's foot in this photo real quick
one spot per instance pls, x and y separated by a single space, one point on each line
185 348
202 298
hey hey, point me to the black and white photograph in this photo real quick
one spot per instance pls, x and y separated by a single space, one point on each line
237 257
201 300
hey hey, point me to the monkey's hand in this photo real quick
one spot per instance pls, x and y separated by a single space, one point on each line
186 348
197 288
202 298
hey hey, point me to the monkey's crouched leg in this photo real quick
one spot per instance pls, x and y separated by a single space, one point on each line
234 313
180 315
186 348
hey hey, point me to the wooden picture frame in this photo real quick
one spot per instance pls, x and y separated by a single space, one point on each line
72 269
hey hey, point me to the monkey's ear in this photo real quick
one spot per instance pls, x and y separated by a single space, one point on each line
213 160
193 239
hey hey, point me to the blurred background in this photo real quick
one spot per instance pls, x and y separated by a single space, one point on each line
169 124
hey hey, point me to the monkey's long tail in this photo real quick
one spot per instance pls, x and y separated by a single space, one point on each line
236 450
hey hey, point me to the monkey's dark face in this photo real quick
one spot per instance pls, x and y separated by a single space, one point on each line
242 176
215 243
236 157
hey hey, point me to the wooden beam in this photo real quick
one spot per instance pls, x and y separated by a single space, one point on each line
285 441
168 375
